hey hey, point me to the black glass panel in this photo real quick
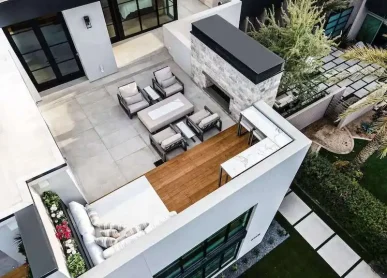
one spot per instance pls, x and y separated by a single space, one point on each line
197 274
171 271
149 21
230 254
26 41
68 67
212 267
54 34
164 16
216 240
36 60
62 52
44 75
193 256
369 29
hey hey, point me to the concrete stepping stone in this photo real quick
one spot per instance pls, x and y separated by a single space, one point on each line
293 208
362 270
314 230
338 255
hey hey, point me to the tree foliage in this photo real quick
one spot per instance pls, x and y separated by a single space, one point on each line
333 5
298 38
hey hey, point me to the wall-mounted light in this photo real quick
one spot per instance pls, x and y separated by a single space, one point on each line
86 18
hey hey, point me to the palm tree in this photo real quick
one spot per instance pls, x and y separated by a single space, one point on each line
379 142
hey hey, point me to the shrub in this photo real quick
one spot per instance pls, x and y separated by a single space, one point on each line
76 265
245 260
256 251
270 240
362 215
234 267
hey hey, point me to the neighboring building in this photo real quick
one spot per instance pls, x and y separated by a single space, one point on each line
370 24
58 41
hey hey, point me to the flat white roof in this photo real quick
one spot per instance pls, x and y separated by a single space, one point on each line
27 148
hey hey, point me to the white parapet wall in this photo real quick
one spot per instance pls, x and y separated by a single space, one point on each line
177 34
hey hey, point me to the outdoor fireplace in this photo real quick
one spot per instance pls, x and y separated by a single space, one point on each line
234 69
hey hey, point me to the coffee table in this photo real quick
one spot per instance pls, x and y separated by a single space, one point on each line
187 132
155 97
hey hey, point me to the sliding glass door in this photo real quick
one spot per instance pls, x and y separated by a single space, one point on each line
45 50
127 18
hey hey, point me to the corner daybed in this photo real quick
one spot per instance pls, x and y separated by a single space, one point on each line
130 205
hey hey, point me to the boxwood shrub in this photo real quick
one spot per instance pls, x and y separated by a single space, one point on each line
362 215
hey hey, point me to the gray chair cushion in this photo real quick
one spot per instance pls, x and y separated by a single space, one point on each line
164 134
168 82
208 120
138 106
171 140
175 88
200 115
128 90
163 74
134 99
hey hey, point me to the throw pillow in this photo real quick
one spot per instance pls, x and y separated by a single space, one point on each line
93 215
110 233
168 82
94 250
209 120
128 90
121 245
171 140
105 226
81 218
133 99
132 231
105 242
163 74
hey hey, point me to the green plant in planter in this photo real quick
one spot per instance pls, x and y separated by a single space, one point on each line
270 240
234 267
50 198
76 265
20 246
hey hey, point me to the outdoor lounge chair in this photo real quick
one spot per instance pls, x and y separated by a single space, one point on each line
166 83
203 121
132 99
167 140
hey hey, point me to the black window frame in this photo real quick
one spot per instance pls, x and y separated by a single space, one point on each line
208 257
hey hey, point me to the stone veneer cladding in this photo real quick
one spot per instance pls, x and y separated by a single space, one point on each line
243 91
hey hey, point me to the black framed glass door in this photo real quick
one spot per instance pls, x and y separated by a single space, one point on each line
127 18
44 48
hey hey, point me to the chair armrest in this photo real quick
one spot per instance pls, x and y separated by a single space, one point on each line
208 109
144 94
182 84
156 144
195 126
156 84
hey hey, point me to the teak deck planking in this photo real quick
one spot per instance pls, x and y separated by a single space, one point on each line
20 272
194 174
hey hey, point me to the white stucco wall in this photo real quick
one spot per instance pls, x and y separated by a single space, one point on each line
177 34
93 45
265 184
359 13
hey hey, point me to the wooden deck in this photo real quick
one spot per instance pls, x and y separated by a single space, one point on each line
194 174
20 272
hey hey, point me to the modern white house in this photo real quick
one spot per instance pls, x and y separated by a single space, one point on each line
202 161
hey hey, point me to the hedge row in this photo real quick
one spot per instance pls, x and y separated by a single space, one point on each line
362 215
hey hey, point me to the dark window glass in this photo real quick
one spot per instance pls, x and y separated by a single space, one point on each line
193 256
149 20
230 254
171 271
369 29
26 41
212 267
216 240
197 274
238 224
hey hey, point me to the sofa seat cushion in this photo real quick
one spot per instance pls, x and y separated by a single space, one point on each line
134 99
128 90
106 242
95 251
163 74
208 120
200 115
171 140
164 134
168 82
173 89
138 106
81 218
121 245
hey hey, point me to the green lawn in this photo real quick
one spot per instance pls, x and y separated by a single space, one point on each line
294 258
374 170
